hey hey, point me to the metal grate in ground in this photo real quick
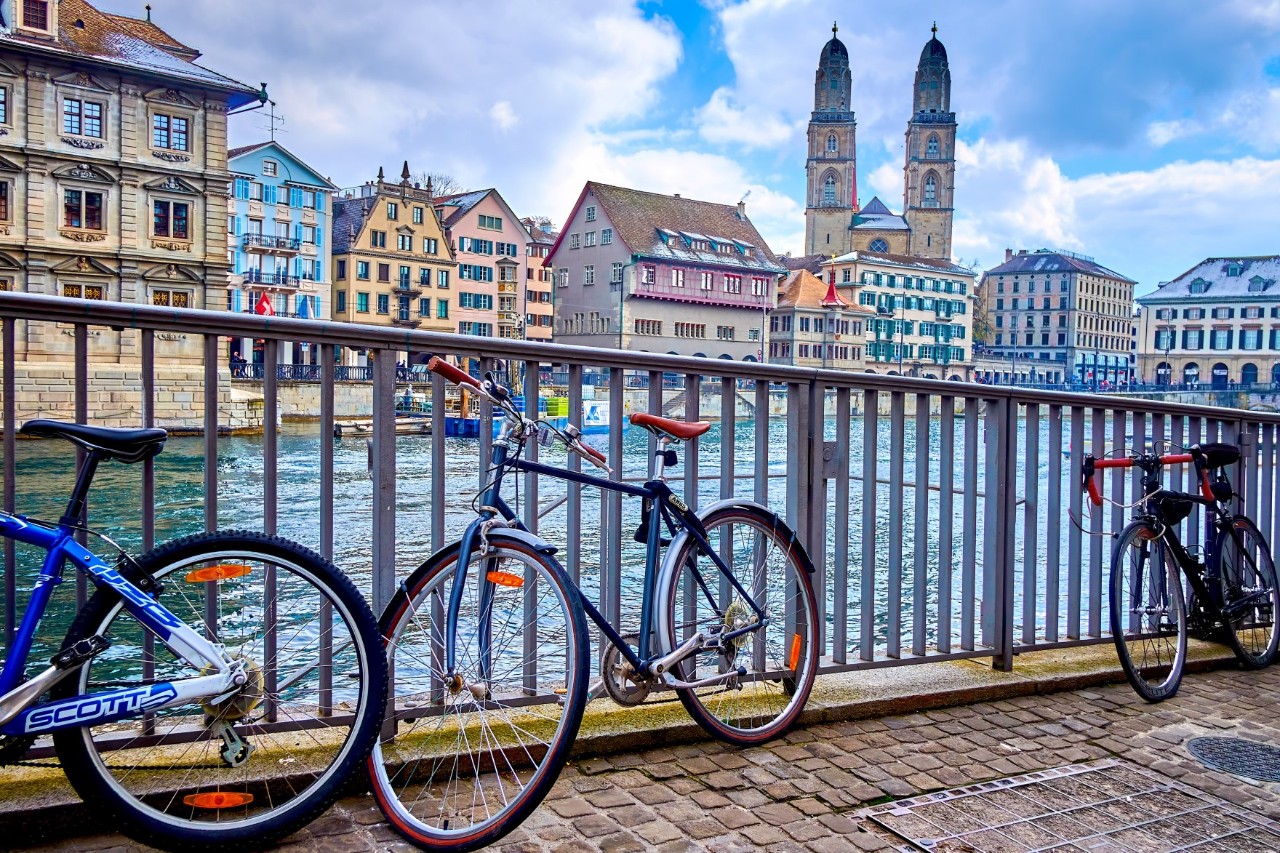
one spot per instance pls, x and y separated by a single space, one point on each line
1108 806
1239 756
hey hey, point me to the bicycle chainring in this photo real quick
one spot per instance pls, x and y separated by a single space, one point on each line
620 680
12 748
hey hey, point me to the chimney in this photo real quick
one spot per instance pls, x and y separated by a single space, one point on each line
675 195
742 209
1008 255
1022 251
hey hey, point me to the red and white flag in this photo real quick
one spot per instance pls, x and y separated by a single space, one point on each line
264 306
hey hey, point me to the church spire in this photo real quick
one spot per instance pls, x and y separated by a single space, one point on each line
833 84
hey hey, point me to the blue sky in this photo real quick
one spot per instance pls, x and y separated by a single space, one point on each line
1143 133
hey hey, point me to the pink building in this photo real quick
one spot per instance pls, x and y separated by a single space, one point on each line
489 242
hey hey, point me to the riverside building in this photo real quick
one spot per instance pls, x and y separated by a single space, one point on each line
1060 317
489 243
539 287
660 273
1217 324
814 326
278 233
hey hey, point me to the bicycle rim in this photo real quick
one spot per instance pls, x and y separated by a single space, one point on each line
472 756
1249 592
304 720
779 660
1148 615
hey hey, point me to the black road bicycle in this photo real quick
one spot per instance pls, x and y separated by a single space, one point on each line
1233 593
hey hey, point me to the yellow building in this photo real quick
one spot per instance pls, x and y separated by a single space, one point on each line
392 265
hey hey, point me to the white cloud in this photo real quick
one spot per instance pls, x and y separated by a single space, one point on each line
884 181
721 121
503 115
1161 133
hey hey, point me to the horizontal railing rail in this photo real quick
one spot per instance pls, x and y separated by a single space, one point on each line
944 518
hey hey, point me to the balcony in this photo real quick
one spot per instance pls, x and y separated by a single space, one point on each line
407 287
276 279
405 320
270 243
508 317
506 287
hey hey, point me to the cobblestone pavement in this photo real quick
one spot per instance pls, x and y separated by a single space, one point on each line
804 791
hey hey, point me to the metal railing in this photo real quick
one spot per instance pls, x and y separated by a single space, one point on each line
270 241
938 513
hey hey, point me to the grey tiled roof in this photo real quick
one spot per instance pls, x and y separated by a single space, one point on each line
464 201
935 265
1045 261
349 215
1214 272
640 218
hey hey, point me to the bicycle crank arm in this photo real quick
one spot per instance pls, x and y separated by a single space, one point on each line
661 666
671 681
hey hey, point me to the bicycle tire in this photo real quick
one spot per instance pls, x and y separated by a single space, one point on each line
1252 633
785 654
431 795
1151 663
314 606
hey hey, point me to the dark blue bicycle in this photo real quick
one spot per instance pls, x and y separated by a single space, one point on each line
488 639
213 694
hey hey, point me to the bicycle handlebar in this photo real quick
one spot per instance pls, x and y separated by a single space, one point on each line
451 373
1092 466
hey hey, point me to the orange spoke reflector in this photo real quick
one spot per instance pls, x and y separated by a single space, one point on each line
217 573
795 651
218 800
505 579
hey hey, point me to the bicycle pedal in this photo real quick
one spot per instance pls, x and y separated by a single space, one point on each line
81 652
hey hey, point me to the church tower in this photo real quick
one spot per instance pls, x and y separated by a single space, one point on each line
832 192
928 202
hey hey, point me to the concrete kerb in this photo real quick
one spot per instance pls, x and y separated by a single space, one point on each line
39 806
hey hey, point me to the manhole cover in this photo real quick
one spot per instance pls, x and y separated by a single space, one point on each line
1108 806
1239 756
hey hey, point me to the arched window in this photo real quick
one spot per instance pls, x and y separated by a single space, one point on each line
931 149
930 188
833 144
878 245
1249 374
829 190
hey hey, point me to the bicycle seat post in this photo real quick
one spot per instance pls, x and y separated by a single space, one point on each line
75 506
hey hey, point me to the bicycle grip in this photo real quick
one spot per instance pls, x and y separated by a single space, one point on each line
1095 496
453 374
594 454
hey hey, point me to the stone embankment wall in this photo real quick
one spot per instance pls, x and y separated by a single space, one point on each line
47 390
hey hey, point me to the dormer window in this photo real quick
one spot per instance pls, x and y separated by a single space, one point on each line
35 14
1199 286
1234 269
1257 284
269 167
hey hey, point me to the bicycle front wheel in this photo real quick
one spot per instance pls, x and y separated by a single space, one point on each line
1148 613
759 680
1249 595
253 766
477 749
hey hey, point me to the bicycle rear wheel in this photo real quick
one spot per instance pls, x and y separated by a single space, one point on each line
1249 595
1148 613
475 753
302 724
780 660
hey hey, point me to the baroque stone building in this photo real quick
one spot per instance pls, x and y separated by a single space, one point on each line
835 224
113 168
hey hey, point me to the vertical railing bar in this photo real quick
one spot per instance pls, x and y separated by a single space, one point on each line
1096 551
1175 445
10 478
728 437
325 691
1194 431
920 571
270 444
991 523
531 500
815 506
1030 524
147 380
211 471
655 408
897 452
1007 494
1075 539
384 476
82 417
969 546
761 455
1250 444
617 385
439 463
840 554
870 454
946 519
1267 447
1053 528
573 495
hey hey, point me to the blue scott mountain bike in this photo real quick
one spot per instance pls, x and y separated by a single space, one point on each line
213 694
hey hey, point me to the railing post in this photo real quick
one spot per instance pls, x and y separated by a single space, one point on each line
1006 484
384 478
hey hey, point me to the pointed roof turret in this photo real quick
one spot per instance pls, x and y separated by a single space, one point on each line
832 88
404 173
933 77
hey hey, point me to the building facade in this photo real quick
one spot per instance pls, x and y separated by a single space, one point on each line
1060 318
392 264
1217 324
814 326
113 173
539 321
490 245
658 273
923 323
278 234
835 224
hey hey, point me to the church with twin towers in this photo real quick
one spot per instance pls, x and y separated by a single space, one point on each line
834 222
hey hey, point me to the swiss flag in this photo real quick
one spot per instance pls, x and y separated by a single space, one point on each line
264 306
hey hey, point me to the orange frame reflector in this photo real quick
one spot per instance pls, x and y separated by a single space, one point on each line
218 800
795 651
217 573
505 579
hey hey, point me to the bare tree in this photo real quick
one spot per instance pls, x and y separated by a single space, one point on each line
544 222
441 184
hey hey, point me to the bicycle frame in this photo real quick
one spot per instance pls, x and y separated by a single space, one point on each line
61 547
665 510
